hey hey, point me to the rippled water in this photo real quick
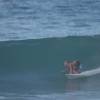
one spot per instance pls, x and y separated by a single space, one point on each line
29 19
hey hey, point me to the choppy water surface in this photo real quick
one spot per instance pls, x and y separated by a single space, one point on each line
29 19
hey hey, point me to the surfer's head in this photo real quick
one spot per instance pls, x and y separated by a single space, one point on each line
76 63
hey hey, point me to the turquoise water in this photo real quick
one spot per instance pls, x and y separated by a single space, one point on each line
33 69
36 36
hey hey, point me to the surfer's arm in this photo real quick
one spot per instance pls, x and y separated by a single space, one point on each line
70 68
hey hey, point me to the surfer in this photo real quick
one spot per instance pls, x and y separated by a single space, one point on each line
72 67
76 67
67 65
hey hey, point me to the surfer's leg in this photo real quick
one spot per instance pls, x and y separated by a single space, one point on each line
70 69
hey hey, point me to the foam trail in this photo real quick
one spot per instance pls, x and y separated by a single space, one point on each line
91 72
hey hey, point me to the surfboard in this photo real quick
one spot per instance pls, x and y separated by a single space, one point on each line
84 74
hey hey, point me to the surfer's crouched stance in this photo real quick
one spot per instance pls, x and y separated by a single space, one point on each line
72 67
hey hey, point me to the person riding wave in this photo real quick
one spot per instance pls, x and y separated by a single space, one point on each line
72 67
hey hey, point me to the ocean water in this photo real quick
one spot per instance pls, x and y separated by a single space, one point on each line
33 69
33 19
36 36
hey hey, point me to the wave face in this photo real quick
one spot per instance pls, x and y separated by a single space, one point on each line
35 66
48 53
34 19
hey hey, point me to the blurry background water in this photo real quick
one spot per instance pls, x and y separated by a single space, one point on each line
29 19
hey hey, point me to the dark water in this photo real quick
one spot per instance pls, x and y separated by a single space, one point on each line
32 69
